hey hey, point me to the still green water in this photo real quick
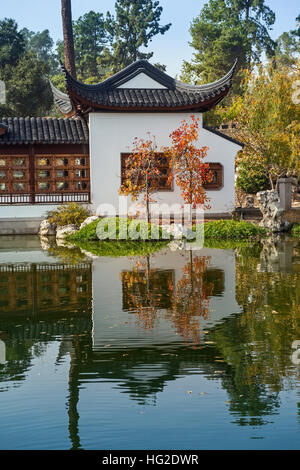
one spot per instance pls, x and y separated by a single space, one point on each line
175 350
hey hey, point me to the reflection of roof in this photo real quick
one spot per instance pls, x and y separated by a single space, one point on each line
44 131
170 94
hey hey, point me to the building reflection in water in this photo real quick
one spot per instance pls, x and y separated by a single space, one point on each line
148 322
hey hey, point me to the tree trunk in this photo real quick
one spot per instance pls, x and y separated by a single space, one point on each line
147 200
66 13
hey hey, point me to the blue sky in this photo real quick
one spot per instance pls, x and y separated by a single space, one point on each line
170 49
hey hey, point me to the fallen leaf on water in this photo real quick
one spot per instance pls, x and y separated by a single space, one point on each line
190 391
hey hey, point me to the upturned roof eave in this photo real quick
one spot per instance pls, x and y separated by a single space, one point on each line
104 96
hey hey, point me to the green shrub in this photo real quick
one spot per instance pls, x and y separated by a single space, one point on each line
68 214
89 232
231 230
296 230
252 177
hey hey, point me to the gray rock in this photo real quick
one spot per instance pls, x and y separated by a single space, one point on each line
88 221
175 245
62 232
47 229
45 245
177 231
250 201
272 213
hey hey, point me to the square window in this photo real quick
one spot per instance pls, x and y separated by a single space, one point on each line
19 174
61 185
216 178
2 186
61 162
44 174
80 174
43 162
19 186
2 162
62 174
162 182
44 186
19 162
2 174
80 185
80 161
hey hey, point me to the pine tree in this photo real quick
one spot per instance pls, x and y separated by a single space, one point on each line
227 30
133 27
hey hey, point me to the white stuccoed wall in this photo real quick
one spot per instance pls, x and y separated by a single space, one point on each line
113 133
26 211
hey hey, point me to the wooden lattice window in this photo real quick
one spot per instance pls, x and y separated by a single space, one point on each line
217 181
14 174
165 182
62 173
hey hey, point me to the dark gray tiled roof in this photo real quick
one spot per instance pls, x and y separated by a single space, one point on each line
61 100
175 94
44 131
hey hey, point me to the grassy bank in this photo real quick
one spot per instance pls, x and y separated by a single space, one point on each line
219 230
114 231
232 230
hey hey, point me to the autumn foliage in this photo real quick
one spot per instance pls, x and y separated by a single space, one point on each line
152 295
142 172
184 160
188 163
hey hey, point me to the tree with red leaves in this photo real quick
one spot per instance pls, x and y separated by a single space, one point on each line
142 174
189 168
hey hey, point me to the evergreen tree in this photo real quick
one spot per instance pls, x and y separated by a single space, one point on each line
91 47
27 88
41 45
12 43
24 74
227 30
288 46
133 27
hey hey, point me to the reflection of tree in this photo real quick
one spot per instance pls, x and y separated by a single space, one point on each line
147 291
250 396
271 321
256 345
191 299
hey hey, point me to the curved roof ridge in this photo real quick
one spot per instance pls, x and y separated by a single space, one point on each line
209 86
140 66
61 100
110 95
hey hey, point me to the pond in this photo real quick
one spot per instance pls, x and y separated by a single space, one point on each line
171 350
